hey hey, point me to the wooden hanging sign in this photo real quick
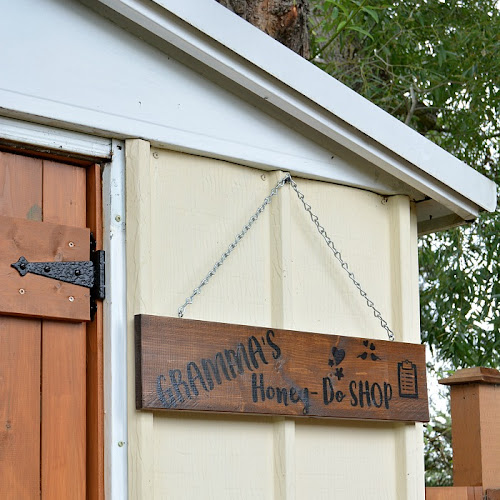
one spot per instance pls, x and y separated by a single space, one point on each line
184 364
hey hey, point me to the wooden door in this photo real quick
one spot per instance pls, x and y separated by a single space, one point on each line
43 376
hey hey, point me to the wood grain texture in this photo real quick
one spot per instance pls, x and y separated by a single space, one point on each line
64 197
33 295
454 493
476 374
20 186
63 410
20 344
202 366
19 408
489 398
475 434
41 153
466 435
63 356
95 398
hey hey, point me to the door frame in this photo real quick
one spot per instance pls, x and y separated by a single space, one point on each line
34 139
115 327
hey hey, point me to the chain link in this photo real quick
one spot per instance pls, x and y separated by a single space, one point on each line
322 232
232 246
343 263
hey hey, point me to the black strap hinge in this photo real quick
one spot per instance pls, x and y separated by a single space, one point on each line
89 274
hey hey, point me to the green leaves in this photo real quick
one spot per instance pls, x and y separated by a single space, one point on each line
341 26
459 308
360 30
372 13
449 54
437 446
337 16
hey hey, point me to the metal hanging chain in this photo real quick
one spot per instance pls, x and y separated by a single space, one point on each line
343 263
232 246
322 232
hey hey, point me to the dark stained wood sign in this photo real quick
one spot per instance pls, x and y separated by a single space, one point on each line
183 364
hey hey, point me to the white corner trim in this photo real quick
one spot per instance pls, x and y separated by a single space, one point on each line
54 139
115 328
276 77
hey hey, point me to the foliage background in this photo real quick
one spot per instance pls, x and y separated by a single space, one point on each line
435 65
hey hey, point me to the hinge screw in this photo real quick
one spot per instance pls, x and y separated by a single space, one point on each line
78 272
46 269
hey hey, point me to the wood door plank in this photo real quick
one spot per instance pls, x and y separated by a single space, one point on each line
19 408
20 186
33 295
20 342
63 356
63 410
95 384
64 197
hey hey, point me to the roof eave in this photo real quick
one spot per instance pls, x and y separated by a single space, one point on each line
276 77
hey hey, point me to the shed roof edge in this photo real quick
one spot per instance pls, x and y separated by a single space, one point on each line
230 46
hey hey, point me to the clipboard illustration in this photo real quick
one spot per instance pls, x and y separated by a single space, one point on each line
407 380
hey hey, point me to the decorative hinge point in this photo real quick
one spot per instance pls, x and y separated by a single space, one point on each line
21 266
89 274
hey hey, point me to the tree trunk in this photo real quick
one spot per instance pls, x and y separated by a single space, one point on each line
284 20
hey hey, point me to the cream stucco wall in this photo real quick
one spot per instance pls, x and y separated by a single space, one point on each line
182 213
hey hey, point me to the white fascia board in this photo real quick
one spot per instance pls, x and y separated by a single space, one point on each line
54 140
228 45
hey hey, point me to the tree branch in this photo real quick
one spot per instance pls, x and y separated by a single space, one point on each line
337 33
413 105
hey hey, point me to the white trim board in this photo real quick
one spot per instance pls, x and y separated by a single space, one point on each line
54 140
115 328
278 79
